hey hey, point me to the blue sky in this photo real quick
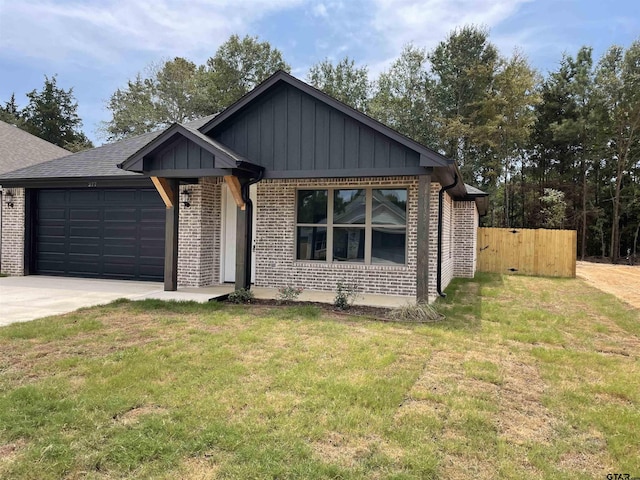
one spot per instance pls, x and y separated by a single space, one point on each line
94 46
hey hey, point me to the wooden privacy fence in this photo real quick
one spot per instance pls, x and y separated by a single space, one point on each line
550 253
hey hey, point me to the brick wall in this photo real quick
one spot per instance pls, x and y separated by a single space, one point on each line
199 235
466 233
12 254
276 265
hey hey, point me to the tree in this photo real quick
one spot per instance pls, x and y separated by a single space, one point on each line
178 90
343 81
172 92
10 113
464 67
507 110
402 97
237 67
554 210
617 97
578 130
51 114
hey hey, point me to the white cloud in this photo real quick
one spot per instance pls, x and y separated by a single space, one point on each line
110 30
320 10
427 22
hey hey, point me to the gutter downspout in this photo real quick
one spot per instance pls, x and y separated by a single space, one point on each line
249 214
440 213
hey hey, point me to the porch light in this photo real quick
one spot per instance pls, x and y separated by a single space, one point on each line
185 195
8 195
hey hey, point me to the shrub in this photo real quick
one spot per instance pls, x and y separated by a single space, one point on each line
420 312
287 294
242 295
345 295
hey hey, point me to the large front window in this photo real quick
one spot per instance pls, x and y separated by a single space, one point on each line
359 225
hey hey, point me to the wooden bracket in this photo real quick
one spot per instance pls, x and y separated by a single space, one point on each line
235 189
164 189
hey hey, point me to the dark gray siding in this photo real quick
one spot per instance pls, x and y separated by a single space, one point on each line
290 130
180 155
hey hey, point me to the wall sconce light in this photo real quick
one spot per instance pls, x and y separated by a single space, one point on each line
185 195
8 195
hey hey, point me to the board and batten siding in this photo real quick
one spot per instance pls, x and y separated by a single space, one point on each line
289 130
182 154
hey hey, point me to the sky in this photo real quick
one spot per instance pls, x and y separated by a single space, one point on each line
95 46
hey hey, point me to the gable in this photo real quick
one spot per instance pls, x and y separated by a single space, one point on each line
182 154
288 130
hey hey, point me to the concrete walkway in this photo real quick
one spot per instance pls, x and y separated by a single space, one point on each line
36 296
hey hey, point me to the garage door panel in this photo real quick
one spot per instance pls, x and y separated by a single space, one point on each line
84 197
50 231
52 197
123 196
120 250
150 272
100 233
76 231
84 214
52 214
51 247
120 215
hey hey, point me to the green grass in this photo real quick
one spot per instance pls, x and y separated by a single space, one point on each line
526 378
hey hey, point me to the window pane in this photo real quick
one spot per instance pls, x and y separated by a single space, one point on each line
348 244
388 245
389 207
312 206
312 243
349 207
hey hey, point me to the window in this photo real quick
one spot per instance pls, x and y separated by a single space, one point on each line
354 225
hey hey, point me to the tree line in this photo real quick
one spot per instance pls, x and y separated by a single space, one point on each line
51 114
560 150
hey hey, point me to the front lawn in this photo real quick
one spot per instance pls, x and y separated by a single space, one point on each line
526 378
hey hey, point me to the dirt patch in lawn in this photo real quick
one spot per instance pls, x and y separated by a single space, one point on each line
623 281
133 416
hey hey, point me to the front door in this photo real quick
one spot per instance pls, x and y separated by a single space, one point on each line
230 209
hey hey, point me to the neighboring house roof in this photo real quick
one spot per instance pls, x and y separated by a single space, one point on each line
19 149
97 162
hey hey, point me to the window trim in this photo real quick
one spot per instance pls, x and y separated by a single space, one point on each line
368 225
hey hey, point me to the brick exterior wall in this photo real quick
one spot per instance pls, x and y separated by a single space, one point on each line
12 254
276 265
199 235
466 235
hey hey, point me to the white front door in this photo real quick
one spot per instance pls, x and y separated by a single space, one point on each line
230 209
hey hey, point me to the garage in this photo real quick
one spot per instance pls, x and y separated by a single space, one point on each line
113 233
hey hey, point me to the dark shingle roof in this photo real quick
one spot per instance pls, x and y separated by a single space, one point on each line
97 162
19 149
473 190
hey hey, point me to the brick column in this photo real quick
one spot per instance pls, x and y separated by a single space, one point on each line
13 233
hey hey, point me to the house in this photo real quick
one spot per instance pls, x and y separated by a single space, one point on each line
20 149
287 186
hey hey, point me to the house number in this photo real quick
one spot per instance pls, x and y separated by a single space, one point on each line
92 184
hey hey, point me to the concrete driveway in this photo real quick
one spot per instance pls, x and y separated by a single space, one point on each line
36 296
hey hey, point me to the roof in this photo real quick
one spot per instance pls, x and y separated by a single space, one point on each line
473 191
98 162
19 149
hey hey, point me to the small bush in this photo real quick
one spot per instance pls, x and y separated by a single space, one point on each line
345 295
420 312
242 295
287 294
